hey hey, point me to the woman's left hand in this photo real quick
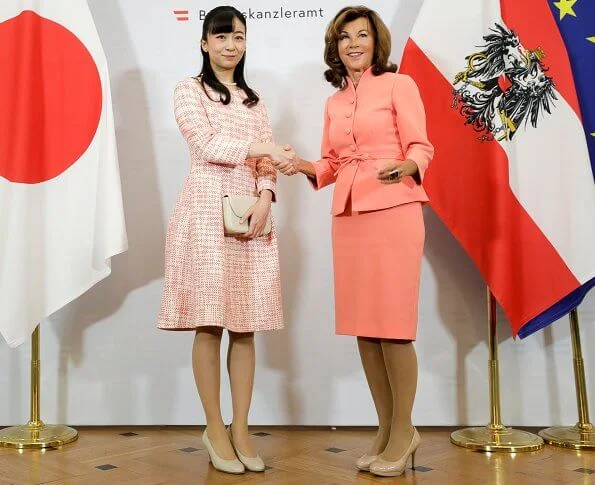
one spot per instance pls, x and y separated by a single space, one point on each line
394 173
286 167
258 214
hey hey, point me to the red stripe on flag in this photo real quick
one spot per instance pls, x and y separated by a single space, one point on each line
532 20
180 12
468 186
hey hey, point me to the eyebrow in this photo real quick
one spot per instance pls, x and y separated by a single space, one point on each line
359 32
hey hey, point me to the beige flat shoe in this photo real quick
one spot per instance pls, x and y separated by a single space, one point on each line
227 466
253 464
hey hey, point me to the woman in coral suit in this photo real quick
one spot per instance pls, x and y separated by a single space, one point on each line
375 150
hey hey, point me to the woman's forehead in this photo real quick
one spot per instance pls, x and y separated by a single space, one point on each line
238 26
360 23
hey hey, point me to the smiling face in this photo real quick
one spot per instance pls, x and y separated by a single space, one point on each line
356 45
226 49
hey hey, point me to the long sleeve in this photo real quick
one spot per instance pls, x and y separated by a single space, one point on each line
326 168
411 123
202 138
266 174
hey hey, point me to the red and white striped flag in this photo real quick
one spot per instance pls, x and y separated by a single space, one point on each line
61 214
511 176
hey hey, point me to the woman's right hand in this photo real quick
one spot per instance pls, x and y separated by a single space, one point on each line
284 159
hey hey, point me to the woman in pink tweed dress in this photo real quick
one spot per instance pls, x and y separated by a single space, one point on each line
214 282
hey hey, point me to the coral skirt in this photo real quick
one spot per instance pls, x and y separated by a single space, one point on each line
377 264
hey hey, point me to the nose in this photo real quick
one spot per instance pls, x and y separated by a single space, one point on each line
354 42
230 45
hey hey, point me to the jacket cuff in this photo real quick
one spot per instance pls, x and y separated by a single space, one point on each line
267 184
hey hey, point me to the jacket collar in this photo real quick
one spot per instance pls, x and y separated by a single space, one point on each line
365 74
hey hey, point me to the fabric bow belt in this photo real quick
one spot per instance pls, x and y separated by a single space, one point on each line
354 159
357 158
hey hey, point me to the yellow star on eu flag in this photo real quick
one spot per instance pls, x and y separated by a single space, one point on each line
565 8
591 39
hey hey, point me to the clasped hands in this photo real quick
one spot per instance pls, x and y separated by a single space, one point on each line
285 159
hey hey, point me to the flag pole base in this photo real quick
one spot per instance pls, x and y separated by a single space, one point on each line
37 436
500 438
574 437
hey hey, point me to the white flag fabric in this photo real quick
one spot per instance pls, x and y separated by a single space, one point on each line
61 214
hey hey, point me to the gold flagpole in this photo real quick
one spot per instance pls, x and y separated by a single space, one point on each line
35 434
582 435
495 436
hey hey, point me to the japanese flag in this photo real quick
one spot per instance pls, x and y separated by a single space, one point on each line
61 214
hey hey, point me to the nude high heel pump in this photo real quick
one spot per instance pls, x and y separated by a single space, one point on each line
385 468
227 466
253 464
363 462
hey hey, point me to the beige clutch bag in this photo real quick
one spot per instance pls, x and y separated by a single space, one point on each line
234 207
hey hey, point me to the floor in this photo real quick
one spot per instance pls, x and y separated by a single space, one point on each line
294 456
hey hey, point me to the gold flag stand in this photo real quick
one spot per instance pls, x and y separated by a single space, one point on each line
36 434
582 435
495 436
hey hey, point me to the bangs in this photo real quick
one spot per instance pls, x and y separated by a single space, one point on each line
348 15
223 23
353 15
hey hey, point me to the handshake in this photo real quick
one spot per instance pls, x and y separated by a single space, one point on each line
285 159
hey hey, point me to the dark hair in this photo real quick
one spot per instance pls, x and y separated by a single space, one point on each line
382 44
220 21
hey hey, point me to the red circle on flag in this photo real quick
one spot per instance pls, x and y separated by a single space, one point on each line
50 99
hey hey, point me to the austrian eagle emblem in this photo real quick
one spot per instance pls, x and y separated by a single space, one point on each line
503 87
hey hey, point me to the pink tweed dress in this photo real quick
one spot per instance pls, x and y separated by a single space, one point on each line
211 279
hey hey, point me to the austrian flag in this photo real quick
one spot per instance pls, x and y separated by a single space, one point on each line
511 119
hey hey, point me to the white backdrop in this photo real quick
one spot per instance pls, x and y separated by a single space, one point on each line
104 362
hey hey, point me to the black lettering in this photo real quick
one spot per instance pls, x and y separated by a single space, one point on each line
259 15
268 14
287 14
302 14
321 13
202 14
276 14
311 13
250 13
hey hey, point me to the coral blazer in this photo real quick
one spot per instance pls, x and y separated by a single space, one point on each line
366 129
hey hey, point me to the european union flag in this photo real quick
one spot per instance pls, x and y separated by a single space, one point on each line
576 21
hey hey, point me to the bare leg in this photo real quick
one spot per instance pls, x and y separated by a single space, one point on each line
206 362
241 363
401 367
370 351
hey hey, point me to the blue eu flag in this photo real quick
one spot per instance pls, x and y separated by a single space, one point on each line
576 21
